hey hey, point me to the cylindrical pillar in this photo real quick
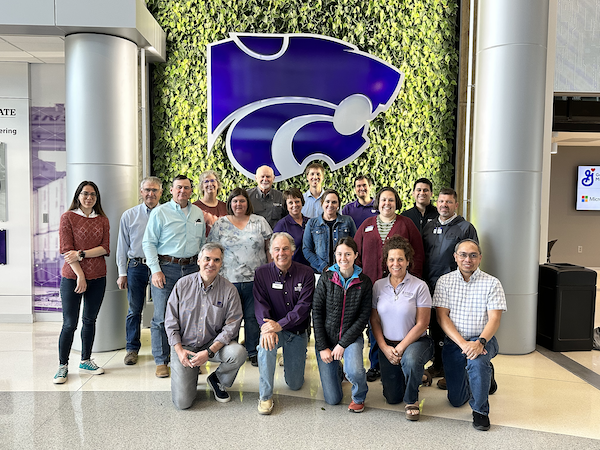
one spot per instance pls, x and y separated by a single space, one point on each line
507 156
102 146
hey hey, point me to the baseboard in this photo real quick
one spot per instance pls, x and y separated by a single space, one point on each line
16 318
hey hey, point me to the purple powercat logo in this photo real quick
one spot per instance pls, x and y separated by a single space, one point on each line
289 99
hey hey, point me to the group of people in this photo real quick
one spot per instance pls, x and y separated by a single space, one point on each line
274 259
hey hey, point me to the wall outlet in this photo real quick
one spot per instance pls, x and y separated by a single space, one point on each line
580 249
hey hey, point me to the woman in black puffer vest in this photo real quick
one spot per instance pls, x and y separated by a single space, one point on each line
341 310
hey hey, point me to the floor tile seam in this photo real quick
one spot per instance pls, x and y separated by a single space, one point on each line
587 375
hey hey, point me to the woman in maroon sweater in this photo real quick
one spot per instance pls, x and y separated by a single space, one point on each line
373 233
84 241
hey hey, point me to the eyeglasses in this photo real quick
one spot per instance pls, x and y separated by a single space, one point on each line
463 255
212 180
88 194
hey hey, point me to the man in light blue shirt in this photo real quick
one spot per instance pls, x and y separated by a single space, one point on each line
134 274
173 238
315 173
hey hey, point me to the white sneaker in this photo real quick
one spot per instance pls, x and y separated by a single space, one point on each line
90 367
61 374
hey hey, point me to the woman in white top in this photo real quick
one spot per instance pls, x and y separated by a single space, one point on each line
245 237
399 320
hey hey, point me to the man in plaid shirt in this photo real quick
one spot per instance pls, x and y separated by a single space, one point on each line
469 305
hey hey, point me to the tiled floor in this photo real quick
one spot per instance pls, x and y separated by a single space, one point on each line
539 404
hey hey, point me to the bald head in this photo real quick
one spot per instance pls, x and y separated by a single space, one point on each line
264 178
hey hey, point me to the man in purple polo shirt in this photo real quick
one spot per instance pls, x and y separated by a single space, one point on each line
362 208
283 293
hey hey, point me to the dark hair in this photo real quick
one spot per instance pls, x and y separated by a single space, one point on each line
349 241
76 204
330 191
239 191
449 191
362 176
398 243
464 241
315 165
393 191
424 181
182 177
292 193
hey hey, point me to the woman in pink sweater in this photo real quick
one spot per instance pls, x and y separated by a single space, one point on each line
84 241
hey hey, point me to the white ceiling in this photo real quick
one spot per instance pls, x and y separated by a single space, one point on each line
32 49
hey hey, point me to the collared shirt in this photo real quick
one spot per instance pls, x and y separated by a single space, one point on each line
312 205
287 298
397 308
244 249
269 205
131 233
359 212
469 301
289 225
196 314
170 231
419 220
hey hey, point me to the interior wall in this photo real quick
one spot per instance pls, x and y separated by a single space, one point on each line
572 228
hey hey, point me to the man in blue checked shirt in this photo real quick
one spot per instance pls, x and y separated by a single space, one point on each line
134 274
173 238
469 305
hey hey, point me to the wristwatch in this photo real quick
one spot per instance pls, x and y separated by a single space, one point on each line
81 255
482 340
211 354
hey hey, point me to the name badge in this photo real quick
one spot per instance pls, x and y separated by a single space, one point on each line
437 230
277 205
369 228
277 285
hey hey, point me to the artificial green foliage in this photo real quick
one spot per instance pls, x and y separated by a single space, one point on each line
412 139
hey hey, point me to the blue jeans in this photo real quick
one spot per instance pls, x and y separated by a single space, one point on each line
401 383
469 380
294 354
158 336
71 302
331 374
138 277
184 380
373 351
251 328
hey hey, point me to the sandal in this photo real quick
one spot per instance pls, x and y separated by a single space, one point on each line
409 415
426 380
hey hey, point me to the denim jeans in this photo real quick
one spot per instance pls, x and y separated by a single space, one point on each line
401 383
469 380
251 328
158 336
294 361
184 380
71 302
374 350
138 277
331 374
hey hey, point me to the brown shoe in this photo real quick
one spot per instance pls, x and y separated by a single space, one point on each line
162 371
130 358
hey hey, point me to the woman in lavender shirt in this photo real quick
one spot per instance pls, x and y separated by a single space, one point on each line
399 320
245 237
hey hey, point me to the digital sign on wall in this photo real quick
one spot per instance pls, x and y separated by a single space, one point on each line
588 188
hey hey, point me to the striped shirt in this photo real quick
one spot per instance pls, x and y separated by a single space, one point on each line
384 227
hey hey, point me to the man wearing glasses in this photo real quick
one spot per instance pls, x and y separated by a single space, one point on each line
469 305
134 274
439 238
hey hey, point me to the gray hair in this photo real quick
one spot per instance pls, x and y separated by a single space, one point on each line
285 235
154 180
212 246
473 241
205 175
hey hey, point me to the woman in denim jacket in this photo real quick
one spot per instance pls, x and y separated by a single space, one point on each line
323 233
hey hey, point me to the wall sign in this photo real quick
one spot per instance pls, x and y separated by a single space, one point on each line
289 99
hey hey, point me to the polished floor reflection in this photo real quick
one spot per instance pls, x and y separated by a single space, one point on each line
539 404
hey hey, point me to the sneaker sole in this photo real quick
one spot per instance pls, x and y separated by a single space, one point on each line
91 372
59 380
356 410
220 400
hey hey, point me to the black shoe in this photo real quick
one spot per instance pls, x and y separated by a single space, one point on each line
481 422
221 394
493 384
254 360
373 374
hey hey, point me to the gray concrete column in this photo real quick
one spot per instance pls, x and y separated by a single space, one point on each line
102 146
508 131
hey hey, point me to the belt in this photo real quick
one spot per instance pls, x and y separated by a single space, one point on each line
140 260
180 261
391 343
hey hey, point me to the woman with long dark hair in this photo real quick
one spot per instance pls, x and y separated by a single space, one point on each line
84 242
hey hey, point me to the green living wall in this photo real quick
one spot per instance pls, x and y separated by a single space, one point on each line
412 139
